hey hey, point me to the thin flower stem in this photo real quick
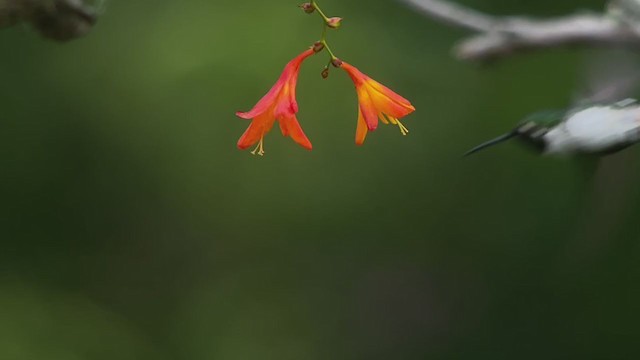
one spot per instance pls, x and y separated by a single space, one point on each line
320 12
331 54
325 26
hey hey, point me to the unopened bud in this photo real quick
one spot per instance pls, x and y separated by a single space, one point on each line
334 22
308 8
336 63
325 73
318 46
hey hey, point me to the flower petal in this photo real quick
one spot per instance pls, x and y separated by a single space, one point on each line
368 110
264 103
356 75
289 75
378 90
278 104
391 108
361 129
286 106
256 130
376 101
291 127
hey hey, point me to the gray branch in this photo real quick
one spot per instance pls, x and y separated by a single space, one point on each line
501 36
59 20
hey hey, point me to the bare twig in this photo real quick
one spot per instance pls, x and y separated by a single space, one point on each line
500 36
454 15
60 20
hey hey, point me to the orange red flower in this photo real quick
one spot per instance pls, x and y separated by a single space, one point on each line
279 104
375 101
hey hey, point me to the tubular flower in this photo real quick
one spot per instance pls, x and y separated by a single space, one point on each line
376 101
278 104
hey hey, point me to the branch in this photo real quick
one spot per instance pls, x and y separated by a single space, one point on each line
59 20
502 36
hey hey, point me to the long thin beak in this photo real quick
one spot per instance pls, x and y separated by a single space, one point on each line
492 142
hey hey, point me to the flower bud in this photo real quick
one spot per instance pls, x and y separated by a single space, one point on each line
318 46
336 63
334 22
325 73
308 8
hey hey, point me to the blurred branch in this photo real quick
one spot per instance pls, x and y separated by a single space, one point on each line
60 20
503 36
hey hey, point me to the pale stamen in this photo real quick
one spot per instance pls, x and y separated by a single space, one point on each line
390 119
403 129
259 150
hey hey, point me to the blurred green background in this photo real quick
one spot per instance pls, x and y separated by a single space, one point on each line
132 228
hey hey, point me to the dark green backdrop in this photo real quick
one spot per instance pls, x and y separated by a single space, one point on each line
132 228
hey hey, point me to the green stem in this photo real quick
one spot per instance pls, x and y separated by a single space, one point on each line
326 46
325 26
320 12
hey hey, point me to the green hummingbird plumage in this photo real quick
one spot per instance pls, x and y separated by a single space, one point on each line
597 129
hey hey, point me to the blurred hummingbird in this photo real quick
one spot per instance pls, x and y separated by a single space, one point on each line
598 129
605 118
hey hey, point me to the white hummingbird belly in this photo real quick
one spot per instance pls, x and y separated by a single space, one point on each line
595 129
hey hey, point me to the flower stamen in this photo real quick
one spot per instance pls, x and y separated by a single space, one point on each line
259 150
403 129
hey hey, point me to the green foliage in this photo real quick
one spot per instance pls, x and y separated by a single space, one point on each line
132 228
